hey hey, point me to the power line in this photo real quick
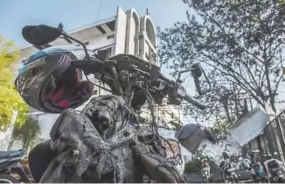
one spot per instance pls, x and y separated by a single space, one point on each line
99 9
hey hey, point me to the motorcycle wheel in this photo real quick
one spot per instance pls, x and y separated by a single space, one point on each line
5 178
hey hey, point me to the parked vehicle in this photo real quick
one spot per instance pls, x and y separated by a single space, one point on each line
275 170
11 169
229 171
206 170
106 135
257 171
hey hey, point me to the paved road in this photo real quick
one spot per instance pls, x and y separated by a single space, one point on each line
196 177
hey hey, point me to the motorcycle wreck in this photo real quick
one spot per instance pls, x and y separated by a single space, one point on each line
11 168
105 142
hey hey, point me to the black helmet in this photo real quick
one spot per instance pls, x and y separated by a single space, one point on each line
48 82
225 154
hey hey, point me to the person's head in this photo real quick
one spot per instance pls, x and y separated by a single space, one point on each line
250 154
225 155
49 82
239 158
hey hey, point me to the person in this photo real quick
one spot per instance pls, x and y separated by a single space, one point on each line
47 81
224 163
210 157
205 169
246 163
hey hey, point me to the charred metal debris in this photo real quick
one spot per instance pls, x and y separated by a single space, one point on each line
105 143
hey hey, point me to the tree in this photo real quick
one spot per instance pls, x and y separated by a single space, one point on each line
239 42
193 166
9 98
27 133
219 128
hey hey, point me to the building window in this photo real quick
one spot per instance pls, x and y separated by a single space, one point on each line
110 36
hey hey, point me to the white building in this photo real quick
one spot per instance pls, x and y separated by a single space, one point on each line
125 32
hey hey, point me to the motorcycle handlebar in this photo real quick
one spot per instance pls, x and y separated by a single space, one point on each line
186 97
195 102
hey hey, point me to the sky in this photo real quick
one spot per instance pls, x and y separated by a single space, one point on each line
15 14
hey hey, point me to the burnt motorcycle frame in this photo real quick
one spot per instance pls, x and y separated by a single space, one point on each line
126 75
132 78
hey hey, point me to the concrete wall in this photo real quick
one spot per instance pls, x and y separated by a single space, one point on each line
120 36
133 29
100 42
147 40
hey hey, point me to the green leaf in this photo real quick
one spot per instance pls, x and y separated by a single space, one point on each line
9 98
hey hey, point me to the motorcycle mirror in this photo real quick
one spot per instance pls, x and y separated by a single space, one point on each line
40 34
197 72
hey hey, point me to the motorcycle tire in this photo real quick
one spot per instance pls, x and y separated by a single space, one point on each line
5 178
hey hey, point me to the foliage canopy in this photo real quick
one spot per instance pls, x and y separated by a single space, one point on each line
240 44
27 133
9 98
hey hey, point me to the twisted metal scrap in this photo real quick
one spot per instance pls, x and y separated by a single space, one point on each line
98 141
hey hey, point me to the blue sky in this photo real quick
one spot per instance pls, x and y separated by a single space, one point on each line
15 14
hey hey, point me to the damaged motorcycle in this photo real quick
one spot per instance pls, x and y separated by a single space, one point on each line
206 170
104 142
11 168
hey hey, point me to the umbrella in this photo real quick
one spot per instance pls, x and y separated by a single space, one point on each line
191 135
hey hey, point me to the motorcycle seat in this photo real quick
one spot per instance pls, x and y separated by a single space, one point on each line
13 153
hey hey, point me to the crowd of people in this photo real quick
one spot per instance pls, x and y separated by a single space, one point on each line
252 166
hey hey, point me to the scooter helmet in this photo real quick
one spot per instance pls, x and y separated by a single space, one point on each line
225 155
48 82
